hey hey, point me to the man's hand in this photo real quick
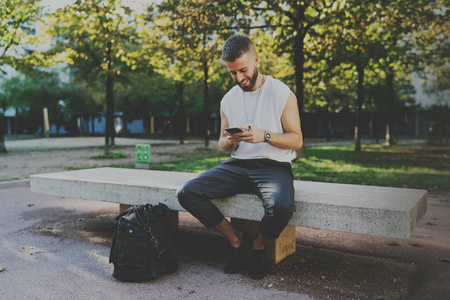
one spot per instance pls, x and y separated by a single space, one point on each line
251 134
237 137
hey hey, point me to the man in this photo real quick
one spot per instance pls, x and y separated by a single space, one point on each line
265 110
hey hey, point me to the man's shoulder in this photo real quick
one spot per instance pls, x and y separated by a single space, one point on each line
231 94
279 88
277 83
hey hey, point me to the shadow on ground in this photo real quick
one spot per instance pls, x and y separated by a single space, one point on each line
324 272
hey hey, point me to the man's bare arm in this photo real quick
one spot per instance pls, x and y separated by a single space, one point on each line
291 138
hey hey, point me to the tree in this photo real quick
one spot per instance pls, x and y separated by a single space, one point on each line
78 104
195 32
397 22
293 23
97 39
30 94
433 47
15 18
173 60
351 40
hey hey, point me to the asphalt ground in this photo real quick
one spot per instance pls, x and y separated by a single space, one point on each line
55 248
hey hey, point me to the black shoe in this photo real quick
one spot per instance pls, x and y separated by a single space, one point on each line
236 261
259 266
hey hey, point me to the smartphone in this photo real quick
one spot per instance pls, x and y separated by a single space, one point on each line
232 130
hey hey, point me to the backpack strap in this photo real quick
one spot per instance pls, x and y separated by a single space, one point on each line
145 222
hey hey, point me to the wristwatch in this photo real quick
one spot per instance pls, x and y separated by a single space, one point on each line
266 136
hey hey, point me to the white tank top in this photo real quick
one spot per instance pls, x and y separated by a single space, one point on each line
265 111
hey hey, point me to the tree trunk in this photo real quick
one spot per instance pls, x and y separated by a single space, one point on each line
109 103
172 106
125 117
92 125
125 124
299 60
16 130
206 112
360 70
2 138
327 125
86 125
180 88
375 128
390 106
299 70
80 126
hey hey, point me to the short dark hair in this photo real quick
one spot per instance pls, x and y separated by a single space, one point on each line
235 46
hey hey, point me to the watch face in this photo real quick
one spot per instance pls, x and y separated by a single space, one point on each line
267 136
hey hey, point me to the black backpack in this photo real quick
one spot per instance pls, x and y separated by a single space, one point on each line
143 247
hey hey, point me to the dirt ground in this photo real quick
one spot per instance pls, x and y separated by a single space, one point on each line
326 265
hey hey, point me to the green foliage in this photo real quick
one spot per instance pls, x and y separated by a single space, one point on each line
97 39
438 85
30 94
94 37
16 17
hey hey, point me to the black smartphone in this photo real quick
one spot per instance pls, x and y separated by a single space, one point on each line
232 130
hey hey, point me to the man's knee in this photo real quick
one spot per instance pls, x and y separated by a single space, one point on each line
185 195
196 203
279 207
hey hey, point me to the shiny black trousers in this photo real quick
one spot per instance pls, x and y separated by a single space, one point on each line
270 180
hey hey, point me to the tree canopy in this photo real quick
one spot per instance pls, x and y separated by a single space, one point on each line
165 60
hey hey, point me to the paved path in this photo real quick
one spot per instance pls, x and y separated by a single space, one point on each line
77 142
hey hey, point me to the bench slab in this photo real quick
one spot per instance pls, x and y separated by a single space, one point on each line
372 210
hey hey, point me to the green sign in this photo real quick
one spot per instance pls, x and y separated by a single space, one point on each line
143 153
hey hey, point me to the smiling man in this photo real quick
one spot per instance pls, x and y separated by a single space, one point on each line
265 113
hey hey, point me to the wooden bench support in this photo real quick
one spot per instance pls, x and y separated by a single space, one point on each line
278 249
124 207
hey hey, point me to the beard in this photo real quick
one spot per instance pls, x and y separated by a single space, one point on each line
252 81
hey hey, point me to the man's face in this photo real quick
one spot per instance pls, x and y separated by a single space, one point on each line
244 70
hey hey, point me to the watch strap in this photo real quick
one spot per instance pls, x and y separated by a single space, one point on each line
267 136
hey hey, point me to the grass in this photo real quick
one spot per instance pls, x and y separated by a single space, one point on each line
111 155
397 166
424 167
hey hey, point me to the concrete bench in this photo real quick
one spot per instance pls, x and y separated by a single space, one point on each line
371 210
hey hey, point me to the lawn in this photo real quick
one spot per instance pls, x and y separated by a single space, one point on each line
425 167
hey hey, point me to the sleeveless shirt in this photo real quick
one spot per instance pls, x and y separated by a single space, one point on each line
264 111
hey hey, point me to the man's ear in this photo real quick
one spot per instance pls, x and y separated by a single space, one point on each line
256 59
